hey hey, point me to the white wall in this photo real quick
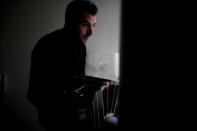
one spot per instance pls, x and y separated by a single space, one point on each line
103 47
22 25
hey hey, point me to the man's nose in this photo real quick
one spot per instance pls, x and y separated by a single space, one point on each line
90 30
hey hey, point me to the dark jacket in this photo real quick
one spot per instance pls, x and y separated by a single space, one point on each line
55 61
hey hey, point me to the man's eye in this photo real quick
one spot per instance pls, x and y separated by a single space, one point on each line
84 24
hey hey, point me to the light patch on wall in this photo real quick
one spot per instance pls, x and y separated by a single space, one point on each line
1 88
1 84
103 65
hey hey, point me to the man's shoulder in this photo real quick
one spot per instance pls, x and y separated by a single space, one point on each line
53 41
50 36
48 40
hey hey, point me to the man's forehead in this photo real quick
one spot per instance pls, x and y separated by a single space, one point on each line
84 16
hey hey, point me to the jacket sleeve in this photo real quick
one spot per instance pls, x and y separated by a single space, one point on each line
46 76
52 71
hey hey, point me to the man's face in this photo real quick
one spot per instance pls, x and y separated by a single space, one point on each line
85 26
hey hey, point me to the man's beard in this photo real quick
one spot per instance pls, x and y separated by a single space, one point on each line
84 38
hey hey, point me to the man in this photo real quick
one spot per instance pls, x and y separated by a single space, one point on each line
57 59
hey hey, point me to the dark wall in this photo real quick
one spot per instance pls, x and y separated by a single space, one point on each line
154 66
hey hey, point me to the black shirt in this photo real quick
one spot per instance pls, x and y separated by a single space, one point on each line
55 61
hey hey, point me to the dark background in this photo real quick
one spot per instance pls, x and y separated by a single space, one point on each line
157 59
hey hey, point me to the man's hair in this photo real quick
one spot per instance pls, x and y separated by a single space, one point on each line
76 7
